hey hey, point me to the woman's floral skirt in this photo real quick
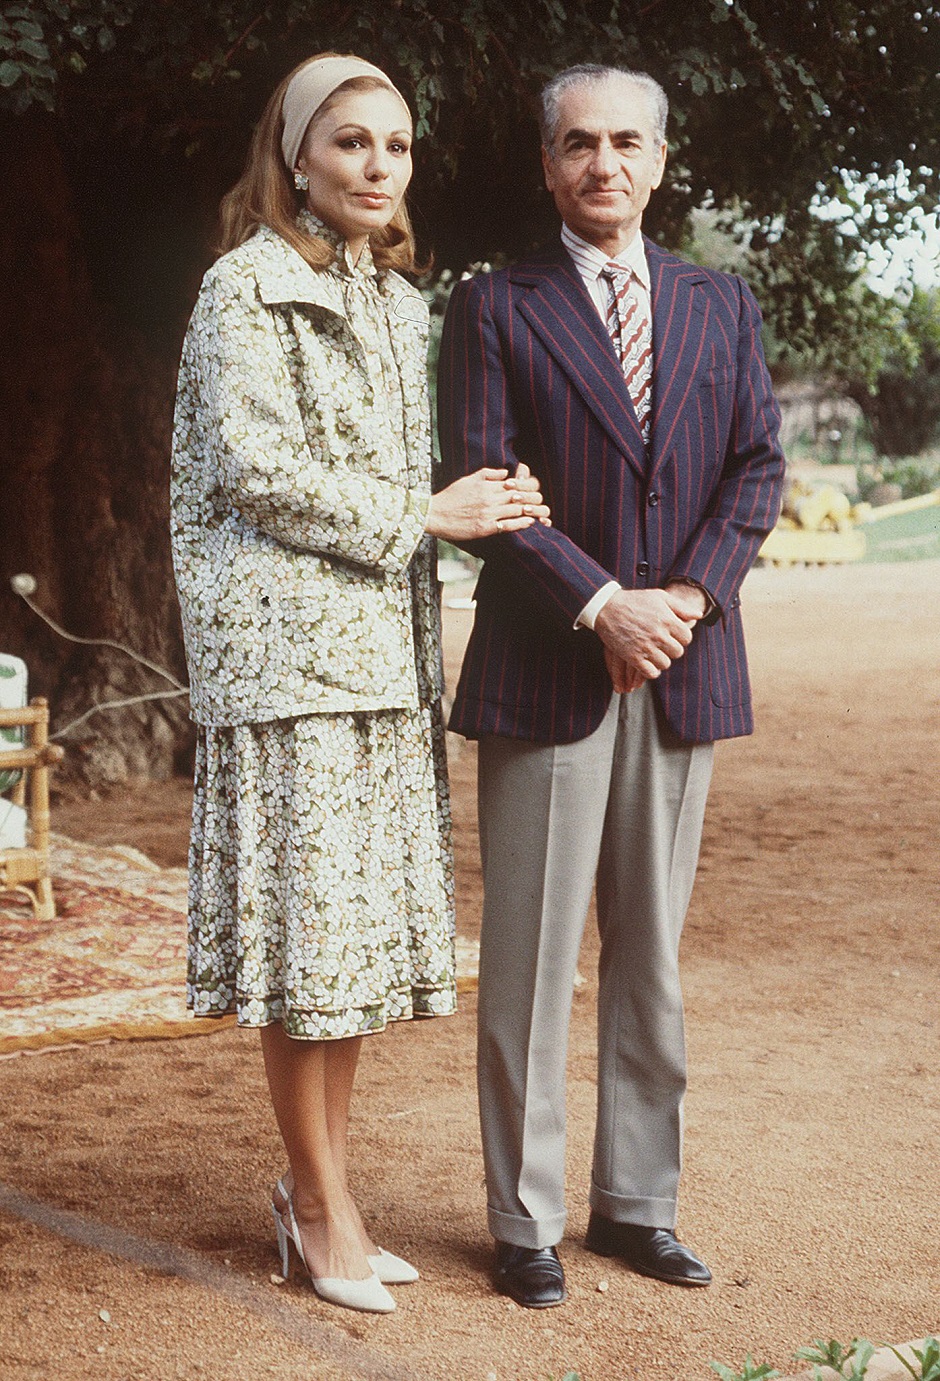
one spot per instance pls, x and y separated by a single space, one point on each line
321 881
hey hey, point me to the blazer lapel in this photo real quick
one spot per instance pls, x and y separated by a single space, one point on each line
560 311
679 338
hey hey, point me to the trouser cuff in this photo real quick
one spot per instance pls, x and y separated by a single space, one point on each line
647 1213
519 1231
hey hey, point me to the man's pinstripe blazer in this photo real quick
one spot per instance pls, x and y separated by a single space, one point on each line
528 373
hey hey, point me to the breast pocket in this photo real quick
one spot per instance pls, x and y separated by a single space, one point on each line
719 376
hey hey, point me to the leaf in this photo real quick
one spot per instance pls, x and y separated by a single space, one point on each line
930 1357
10 73
749 1372
904 1362
28 29
35 50
861 1354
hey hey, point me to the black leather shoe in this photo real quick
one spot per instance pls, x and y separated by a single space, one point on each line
655 1252
532 1276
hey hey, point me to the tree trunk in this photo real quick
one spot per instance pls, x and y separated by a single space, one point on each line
86 403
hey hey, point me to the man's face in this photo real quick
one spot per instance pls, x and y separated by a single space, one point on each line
604 161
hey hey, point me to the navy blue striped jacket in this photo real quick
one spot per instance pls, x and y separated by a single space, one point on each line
528 373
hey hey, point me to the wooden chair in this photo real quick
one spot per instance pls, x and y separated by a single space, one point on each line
26 870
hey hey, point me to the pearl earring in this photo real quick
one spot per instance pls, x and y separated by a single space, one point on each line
301 181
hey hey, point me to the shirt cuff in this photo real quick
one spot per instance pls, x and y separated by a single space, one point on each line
594 605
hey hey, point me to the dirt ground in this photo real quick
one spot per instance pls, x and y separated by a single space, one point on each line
136 1238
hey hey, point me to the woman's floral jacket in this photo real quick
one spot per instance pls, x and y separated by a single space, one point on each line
304 574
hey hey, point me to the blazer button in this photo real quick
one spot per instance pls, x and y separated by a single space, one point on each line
653 500
643 568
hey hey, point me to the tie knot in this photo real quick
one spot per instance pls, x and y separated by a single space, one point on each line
617 273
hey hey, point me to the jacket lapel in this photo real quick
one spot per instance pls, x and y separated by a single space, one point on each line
560 311
679 338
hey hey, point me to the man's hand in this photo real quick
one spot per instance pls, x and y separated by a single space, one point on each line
692 599
625 678
645 631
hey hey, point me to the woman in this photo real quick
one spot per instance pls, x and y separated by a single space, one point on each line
321 896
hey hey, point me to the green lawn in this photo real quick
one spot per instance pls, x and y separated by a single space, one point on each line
904 536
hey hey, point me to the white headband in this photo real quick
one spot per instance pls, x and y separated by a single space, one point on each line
308 90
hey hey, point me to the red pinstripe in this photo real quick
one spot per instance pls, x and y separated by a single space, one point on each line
528 372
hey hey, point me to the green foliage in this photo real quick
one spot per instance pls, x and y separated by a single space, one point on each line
849 1362
927 1358
773 105
749 1372
900 395
912 477
774 110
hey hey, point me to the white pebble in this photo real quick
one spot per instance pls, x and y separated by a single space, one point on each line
104 1316
277 1280
603 1286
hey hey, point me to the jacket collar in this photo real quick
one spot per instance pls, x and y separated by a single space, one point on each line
283 275
680 322
562 313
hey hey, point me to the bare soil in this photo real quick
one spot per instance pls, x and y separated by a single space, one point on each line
136 1239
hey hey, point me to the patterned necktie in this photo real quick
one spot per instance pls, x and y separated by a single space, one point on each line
632 335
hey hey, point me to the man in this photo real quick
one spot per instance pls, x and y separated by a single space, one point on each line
606 657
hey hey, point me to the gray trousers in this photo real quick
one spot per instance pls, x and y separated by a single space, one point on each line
624 806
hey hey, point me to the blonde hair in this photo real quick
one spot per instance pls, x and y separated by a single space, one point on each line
265 193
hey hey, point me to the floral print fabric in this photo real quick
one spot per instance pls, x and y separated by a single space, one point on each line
300 482
321 885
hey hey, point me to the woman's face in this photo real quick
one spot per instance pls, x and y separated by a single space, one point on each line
357 155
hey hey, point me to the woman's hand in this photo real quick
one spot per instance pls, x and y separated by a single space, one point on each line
485 503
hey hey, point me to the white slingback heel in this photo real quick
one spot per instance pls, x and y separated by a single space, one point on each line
390 1269
368 1295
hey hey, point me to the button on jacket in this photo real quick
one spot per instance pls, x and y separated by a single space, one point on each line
545 387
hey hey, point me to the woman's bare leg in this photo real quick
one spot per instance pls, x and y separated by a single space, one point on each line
310 1089
342 1058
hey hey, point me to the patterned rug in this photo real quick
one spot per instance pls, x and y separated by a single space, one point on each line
112 965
